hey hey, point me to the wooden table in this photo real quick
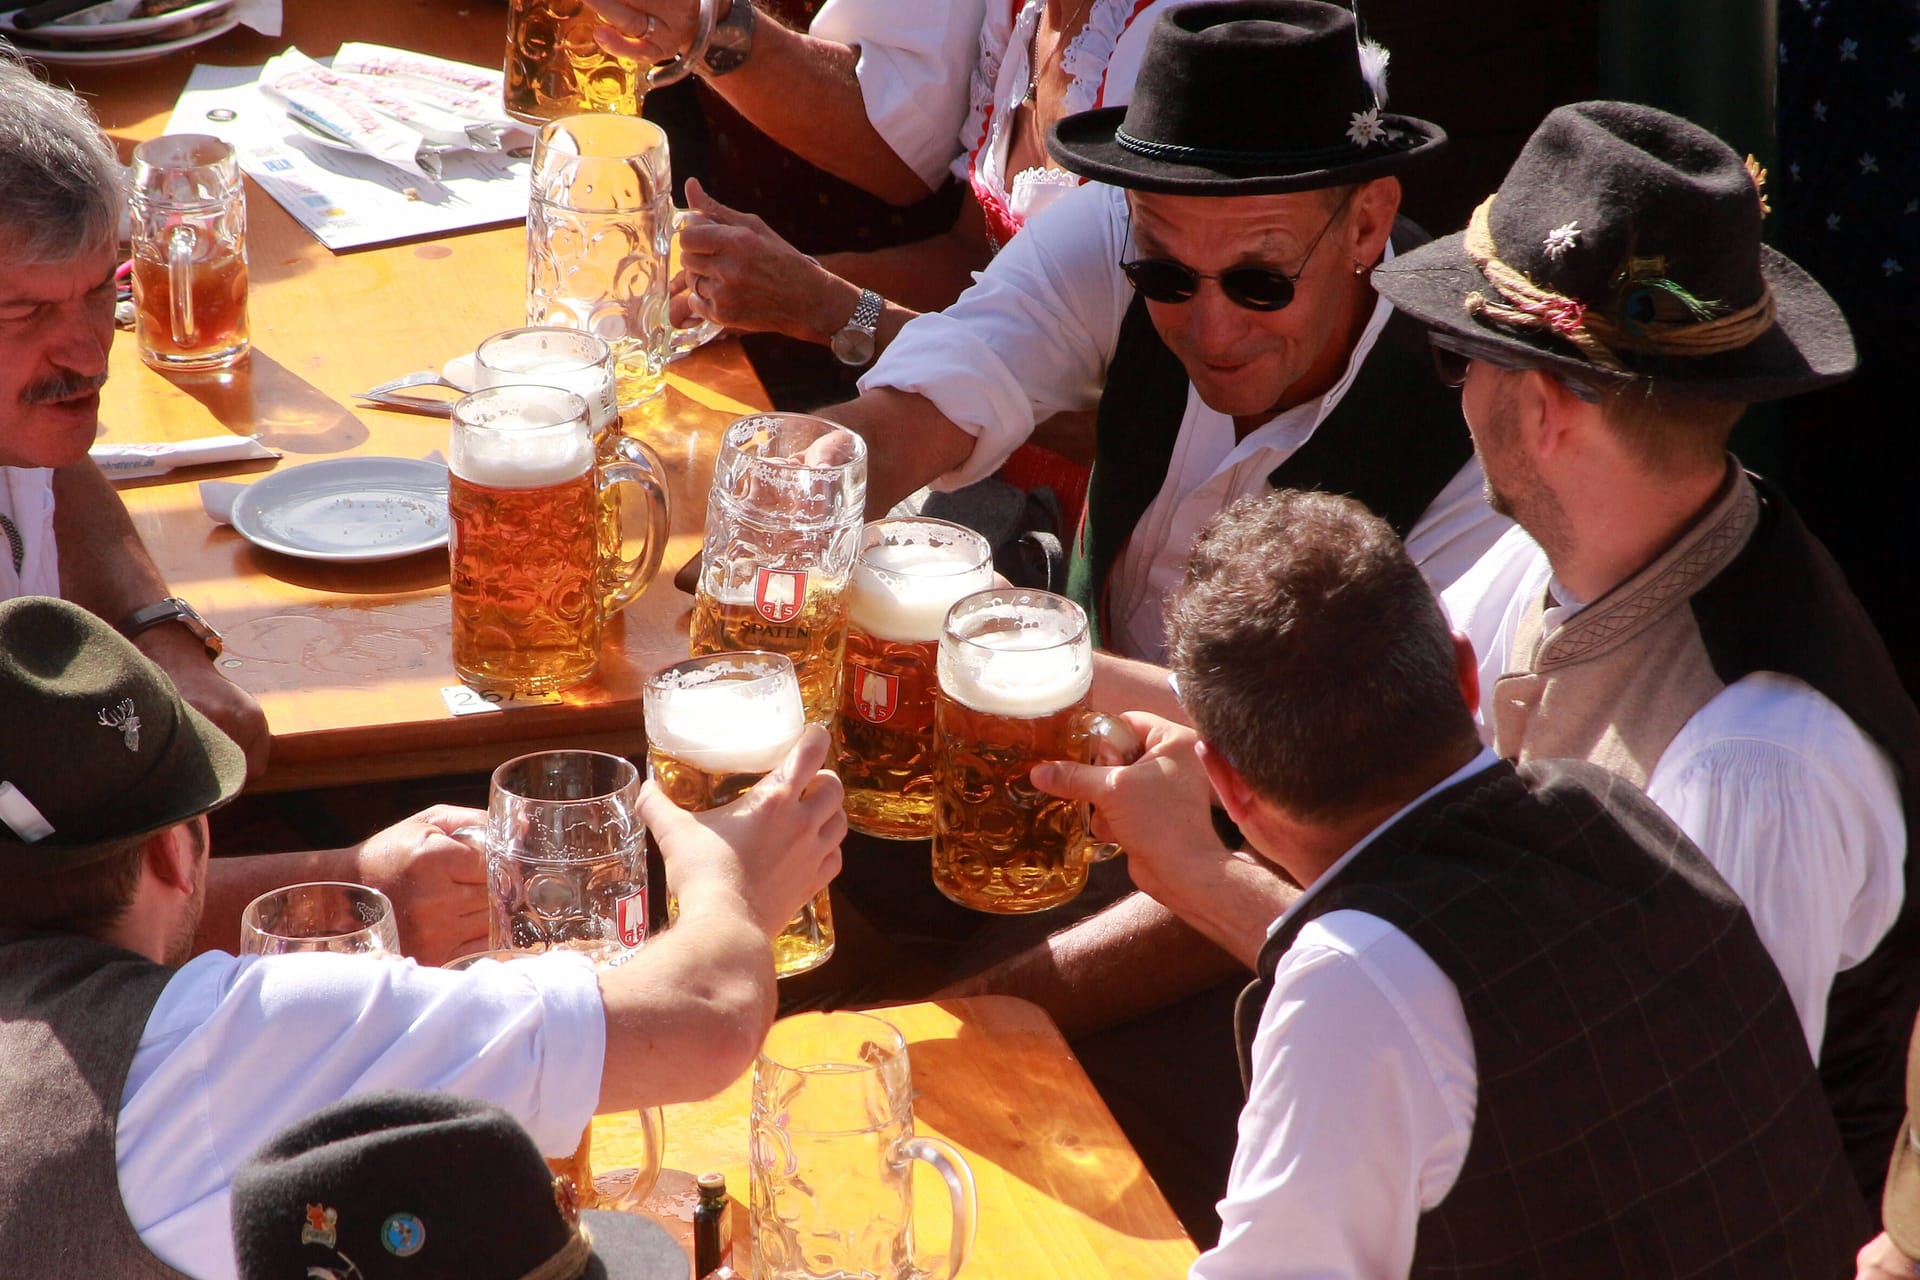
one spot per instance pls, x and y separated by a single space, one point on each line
1060 1191
349 660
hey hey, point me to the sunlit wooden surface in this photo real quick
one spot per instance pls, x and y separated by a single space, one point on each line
1060 1191
349 660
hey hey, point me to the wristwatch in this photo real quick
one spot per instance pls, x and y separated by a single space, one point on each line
854 344
173 609
732 40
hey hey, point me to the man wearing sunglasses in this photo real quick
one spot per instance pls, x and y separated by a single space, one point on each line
1609 313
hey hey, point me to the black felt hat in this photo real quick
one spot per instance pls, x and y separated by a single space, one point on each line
1252 97
427 1186
1624 245
97 748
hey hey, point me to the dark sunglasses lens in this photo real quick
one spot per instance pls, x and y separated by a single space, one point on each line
1257 289
1450 365
1159 280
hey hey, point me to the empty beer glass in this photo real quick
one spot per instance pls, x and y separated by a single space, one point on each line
908 574
345 919
831 1150
1015 671
566 863
715 726
783 527
189 219
600 227
531 585
554 68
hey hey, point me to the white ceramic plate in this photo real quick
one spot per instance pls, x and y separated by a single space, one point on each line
347 510
124 57
68 32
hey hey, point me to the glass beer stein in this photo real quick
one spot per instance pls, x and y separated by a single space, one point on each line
715 726
600 227
831 1150
555 69
1015 671
189 218
328 916
565 855
529 566
908 574
783 526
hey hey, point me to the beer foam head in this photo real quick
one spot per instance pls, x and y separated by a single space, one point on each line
566 359
902 590
520 437
1024 671
726 725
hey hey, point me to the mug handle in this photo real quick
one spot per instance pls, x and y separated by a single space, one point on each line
953 1167
180 283
694 336
677 68
635 463
1123 742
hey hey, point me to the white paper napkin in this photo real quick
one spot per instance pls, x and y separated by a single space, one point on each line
137 461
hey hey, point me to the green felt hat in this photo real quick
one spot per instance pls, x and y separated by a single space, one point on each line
97 748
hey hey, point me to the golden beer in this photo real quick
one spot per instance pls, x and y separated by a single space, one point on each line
715 727
910 572
796 614
1015 668
555 69
526 608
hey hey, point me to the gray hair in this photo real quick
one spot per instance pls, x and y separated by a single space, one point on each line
1313 656
61 185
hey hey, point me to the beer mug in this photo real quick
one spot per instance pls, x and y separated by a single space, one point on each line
783 526
600 227
831 1150
554 67
528 564
565 848
581 363
715 726
908 574
189 217
339 918
1015 671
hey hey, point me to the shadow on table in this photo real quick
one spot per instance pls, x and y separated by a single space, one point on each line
263 397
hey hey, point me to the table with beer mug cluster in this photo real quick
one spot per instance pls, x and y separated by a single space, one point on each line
363 677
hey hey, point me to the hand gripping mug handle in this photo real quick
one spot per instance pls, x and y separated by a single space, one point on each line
698 335
634 463
677 68
180 283
1123 742
952 1166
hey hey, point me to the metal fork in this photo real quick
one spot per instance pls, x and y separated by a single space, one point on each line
388 394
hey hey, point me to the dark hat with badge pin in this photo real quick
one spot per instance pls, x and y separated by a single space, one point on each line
426 1186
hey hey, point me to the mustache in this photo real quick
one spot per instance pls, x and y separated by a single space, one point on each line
61 387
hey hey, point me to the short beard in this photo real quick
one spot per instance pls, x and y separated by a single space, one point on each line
1522 494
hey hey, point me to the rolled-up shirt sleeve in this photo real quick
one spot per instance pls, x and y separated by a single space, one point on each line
916 60
1030 339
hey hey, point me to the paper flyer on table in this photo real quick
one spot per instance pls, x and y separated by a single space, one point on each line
349 201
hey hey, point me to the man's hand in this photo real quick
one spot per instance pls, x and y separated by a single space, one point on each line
1880 1259
647 30
772 849
737 272
1156 808
438 884
232 709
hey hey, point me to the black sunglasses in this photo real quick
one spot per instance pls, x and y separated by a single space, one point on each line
1453 354
1255 288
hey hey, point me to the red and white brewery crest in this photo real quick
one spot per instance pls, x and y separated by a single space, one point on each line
630 915
779 594
875 694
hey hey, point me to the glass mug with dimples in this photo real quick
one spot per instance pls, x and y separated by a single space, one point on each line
555 67
189 226
600 229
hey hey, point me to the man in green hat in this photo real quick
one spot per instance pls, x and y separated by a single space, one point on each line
136 1076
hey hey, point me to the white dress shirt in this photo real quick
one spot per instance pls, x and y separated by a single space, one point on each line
1361 1106
1032 338
237 1049
26 514
1795 807
916 57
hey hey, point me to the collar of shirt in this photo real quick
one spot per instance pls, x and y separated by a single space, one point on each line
1484 760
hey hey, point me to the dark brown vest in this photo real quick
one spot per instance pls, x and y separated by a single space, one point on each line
1393 442
1646 1103
71 1015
